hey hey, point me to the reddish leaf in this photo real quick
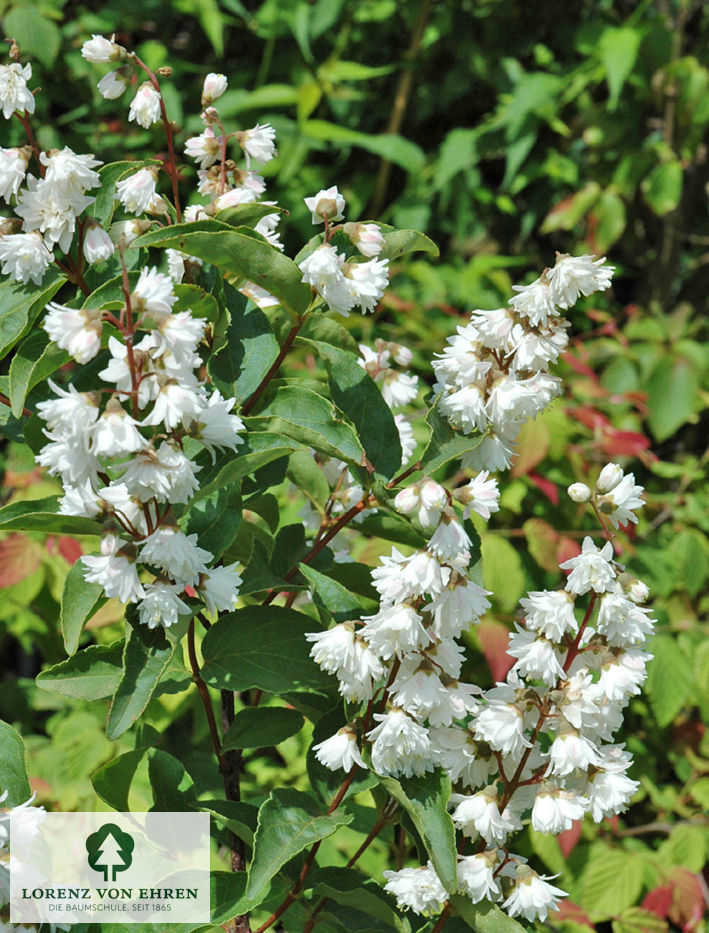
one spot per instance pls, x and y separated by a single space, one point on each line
659 900
569 838
70 549
19 557
571 912
580 367
623 443
567 549
494 638
190 591
687 908
589 417
543 543
550 490
532 448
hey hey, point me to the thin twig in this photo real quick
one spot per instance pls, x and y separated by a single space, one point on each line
287 344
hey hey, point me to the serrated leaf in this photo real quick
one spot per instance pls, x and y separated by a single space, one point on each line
41 515
20 304
669 679
398 243
311 420
638 920
240 254
112 781
612 881
354 393
392 527
91 674
618 50
662 188
349 887
263 448
13 771
261 646
425 799
80 600
288 822
445 444
36 359
484 917
395 148
262 727
215 518
36 34
503 572
689 550
172 787
330 594
146 655
306 474
241 818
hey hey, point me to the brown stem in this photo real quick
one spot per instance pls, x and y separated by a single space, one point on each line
401 99
6 401
31 139
203 692
128 333
171 164
574 646
443 919
402 476
287 344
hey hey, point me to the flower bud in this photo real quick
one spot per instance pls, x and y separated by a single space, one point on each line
98 49
98 245
327 204
579 492
366 237
611 475
113 84
214 86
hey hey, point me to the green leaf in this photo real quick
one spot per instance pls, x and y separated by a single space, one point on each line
215 518
262 727
398 243
261 646
251 347
20 304
226 893
609 217
618 50
503 572
13 771
349 887
686 846
639 920
445 445
36 35
36 359
241 818
662 188
425 799
146 655
354 392
311 420
172 787
80 600
669 679
213 22
485 917
288 822
41 515
261 449
394 148
112 781
91 674
330 594
247 215
612 881
325 782
690 555
568 213
392 527
238 253
306 474
672 390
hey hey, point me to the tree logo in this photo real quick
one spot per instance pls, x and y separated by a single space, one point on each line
110 850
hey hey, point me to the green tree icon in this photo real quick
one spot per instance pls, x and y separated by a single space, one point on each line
110 850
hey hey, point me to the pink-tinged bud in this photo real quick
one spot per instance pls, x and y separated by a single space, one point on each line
214 86
367 238
98 245
579 492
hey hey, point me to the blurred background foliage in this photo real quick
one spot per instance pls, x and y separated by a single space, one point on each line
505 130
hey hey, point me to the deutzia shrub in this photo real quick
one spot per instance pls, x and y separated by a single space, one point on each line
162 306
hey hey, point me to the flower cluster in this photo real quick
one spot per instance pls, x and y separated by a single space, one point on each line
494 374
343 283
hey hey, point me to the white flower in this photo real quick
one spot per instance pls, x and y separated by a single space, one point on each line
258 143
137 192
450 538
401 577
340 751
117 574
591 570
14 93
67 455
368 238
395 630
360 672
219 588
555 809
455 750
334 648
116 433
532 896
251 187
495 451
267 228
574 275
610 476
621 676
571 751
481 495
610 789
112 85
323 270
327 203
76 330
145 106
475 876
98 49
622 622
177 554
534 351
369 281
465 409
98 245
623 498
52 209
66 167
398 388
502 725
69 409
577 704
80 500
13 168
418 889
215 426
421 693
551 613
400 745
175 403
25 257
161 605
406 438
214 86
427 498
458 607
534 302
164 474
205 148
479 814
153 292
579 492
